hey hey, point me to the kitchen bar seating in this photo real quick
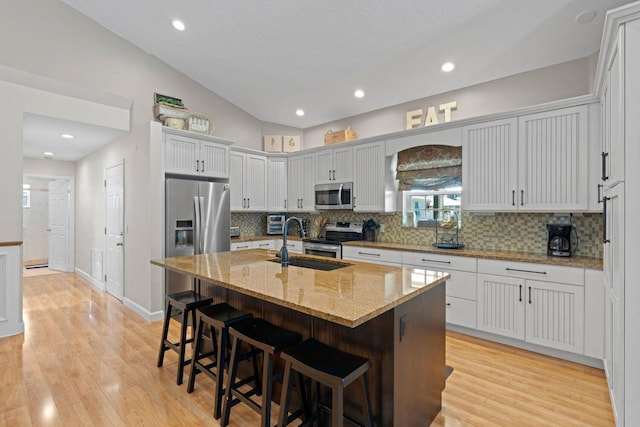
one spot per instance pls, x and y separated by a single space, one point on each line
216 319
268 339
187 302
330 367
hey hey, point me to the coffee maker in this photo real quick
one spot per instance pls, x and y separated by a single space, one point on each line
559 243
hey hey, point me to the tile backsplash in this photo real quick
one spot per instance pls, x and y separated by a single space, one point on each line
522 232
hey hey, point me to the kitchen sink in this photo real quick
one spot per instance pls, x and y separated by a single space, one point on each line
314 264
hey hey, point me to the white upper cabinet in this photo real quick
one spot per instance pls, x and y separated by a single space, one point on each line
613 121
369 177
489 166
334 165
301 183
277 184
248 180
187 155
553 160
536 162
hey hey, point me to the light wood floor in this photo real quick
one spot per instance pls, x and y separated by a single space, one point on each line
86 360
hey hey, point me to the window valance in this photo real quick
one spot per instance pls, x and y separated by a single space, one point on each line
429 167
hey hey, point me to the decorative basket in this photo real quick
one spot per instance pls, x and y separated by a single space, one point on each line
336 137
165 111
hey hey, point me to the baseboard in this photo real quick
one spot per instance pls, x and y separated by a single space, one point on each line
143 312
560 354
9 329
95 283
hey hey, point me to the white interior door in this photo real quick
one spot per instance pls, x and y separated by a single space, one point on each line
114 217
59 225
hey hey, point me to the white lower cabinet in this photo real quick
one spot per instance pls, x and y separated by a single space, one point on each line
373 255
461 287
540 312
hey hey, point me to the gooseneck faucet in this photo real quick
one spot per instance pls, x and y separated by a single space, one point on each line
284 253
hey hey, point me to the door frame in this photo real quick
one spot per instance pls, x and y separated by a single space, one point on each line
71 261
124 227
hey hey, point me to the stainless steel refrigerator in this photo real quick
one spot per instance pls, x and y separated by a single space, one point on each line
197 219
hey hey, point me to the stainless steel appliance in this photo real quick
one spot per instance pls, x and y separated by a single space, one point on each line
334 196
275 223
331 244
559 242
197 221
234 231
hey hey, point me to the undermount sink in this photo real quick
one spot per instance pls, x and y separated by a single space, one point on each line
314 264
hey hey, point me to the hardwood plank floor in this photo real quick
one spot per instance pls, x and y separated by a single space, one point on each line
86 360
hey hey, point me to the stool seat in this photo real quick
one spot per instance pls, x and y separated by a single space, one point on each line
328 366
268 339
187 302
327 360
265 335
214 320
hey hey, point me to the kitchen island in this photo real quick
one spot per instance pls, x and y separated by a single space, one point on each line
392 315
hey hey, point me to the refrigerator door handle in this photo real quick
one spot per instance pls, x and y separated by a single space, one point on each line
197 246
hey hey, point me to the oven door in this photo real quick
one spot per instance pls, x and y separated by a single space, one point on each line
322 249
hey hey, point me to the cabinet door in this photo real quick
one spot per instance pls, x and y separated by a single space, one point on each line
555 315
501 305
343 164
256 183
489 166
613 151
214 160
614 239
295 183
277 184
308 201
324 167
180 154
236 180
553 160
369 178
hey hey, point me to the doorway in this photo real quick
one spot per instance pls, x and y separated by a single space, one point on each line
47 216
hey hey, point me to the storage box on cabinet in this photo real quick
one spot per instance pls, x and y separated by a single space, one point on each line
378 256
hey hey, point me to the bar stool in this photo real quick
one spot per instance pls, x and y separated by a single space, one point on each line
187 302
268 339
217 318
330 367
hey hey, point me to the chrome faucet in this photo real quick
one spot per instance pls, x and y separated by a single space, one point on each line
284 253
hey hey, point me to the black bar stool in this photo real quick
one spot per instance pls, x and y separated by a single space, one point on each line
187 302
268 339
330 367
217 318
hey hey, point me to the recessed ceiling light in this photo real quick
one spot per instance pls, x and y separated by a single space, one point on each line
586 16
47 154
178 25
358 93
67 136
448 66
300 112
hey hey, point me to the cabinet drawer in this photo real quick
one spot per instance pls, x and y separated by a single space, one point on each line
382 256
264 244
462 284
461 312
294 246
439 262
543 272
239 246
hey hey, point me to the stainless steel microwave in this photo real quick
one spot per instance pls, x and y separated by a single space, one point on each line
334 196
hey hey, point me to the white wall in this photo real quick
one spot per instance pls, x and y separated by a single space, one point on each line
560 81
48 167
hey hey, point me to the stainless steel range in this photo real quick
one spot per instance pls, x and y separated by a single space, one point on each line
331 244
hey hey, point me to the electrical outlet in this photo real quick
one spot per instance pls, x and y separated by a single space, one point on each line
382 228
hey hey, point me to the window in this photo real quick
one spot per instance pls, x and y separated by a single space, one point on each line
26 195
426 208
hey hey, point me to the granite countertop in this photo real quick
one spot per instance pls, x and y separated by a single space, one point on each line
574 261
348 296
